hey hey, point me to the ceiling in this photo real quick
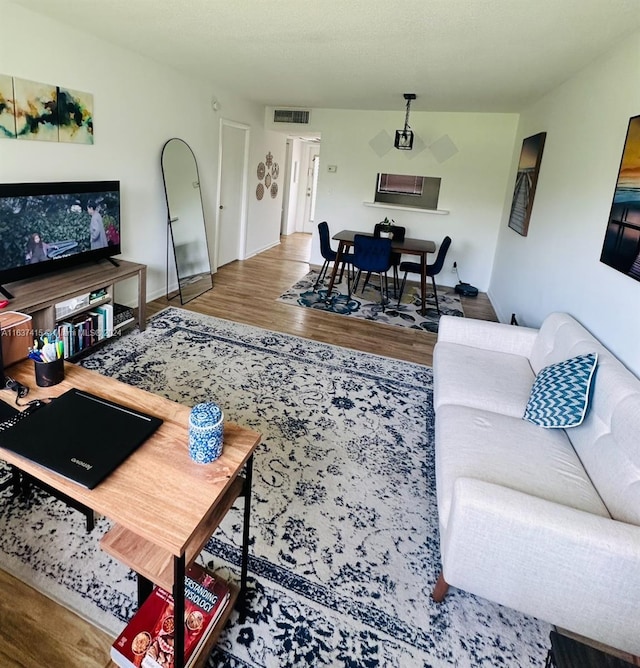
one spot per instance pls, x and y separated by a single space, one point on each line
456 55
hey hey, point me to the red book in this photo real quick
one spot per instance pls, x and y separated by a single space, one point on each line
147 640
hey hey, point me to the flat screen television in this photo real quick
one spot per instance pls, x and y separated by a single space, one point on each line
48 226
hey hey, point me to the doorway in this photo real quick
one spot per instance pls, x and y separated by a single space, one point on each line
313 167
231 218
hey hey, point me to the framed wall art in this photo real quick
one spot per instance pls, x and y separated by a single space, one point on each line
36 110
526 180
7 116
621 246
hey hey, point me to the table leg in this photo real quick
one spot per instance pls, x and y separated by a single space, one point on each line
145 587
248 476
142 299
423 282
336 264
179 569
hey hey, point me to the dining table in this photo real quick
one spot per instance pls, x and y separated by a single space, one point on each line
419 247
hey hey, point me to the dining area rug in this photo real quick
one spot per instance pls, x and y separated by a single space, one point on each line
366 305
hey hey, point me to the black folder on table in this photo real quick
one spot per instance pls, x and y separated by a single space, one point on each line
81 436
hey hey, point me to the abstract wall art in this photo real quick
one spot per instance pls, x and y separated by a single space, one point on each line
7 117
75 116
621 246
526 180
36 110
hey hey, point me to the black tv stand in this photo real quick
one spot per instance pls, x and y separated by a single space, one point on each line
6 293
115 263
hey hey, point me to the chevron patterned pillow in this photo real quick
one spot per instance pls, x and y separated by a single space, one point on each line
560 394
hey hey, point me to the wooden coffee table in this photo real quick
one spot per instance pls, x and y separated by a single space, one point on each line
164 507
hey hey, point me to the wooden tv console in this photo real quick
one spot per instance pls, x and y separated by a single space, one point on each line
38 296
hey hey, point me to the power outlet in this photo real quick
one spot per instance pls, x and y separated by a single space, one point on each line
454 268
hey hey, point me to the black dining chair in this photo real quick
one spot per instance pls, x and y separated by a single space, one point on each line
432 269
372 256
328 254
396 234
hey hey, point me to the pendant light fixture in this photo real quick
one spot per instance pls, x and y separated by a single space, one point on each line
404 138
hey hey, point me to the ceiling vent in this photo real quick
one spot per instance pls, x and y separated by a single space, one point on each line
297 116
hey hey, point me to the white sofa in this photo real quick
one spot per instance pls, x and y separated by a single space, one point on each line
545 521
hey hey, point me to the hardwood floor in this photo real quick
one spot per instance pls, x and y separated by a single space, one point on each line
247 291
35 631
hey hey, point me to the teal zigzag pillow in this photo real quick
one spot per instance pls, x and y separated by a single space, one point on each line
560 394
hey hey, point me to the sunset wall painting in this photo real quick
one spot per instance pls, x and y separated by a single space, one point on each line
526 180
621 247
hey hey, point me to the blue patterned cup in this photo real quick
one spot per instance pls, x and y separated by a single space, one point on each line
206 432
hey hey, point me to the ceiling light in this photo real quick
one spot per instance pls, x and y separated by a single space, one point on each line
404 138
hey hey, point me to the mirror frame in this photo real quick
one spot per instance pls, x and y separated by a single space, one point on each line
185 283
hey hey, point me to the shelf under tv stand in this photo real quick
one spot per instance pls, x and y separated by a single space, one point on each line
38 296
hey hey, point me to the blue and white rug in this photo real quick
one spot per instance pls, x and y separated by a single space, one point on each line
344 549
365 304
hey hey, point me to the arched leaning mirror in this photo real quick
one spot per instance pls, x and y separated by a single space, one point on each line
185 214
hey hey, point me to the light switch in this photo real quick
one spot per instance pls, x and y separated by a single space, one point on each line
332 168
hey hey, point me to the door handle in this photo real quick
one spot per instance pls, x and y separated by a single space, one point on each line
221 207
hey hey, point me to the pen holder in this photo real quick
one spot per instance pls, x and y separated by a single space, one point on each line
49 373
206 432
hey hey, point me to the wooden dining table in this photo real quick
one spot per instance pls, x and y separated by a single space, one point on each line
419 247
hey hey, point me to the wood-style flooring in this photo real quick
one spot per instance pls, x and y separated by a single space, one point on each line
35 631
247 291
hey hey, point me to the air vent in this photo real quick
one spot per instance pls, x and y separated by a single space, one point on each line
299 116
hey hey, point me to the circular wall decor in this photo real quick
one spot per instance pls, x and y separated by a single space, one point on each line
275 170
261 170
269 159
267 180
259 191
274 190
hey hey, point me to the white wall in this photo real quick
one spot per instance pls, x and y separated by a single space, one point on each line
138 106
557 266
263 230
474 180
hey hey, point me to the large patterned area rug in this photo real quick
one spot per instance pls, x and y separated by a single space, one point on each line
344 549
366 305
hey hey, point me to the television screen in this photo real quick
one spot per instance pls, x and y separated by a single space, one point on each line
47 226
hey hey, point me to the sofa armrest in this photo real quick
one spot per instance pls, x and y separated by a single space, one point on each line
568 567
495 336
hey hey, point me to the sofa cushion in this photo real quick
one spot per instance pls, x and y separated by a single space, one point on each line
560 394
493 381
509 451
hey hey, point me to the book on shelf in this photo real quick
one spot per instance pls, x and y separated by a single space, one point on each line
107 311
98 295
99 324
147 640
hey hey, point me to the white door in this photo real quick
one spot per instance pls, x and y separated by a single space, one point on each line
313 167
234 144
